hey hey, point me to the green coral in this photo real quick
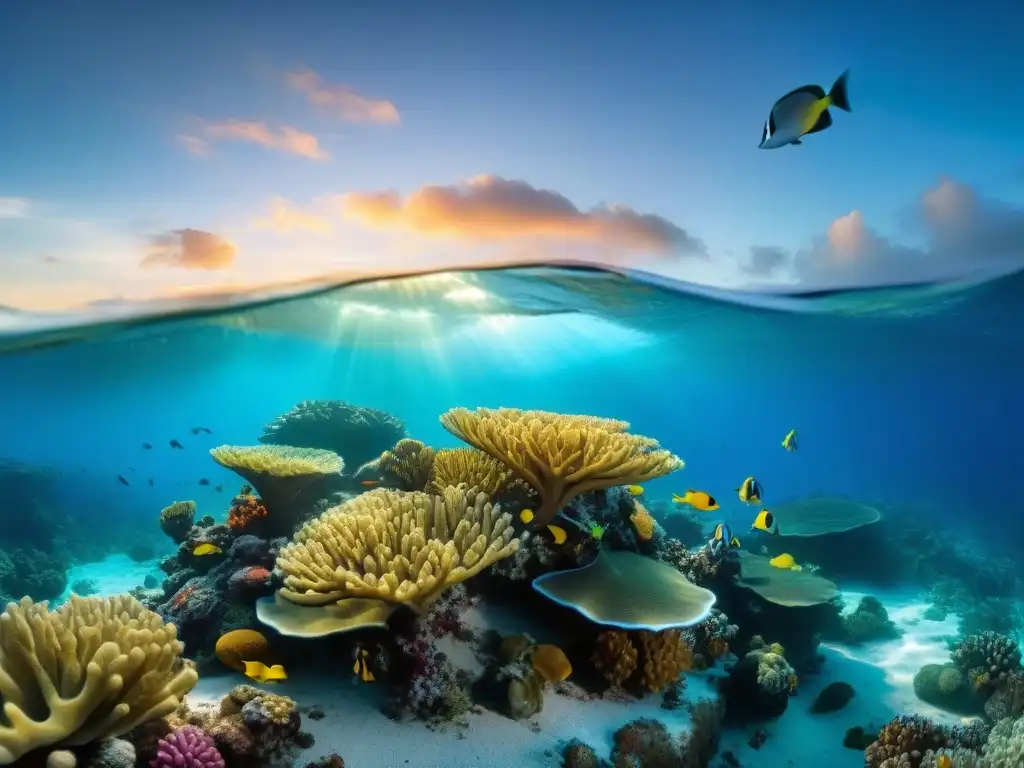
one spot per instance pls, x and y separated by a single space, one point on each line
946 687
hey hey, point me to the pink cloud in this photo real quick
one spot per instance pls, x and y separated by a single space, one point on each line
190 249
342 100
283 216
285 139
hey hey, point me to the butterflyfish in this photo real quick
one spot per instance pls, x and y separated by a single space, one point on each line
635 490
699 500
803 111
261 673
207 549
785 561
765 521
361 667
557 533
789 441
750 491
723 534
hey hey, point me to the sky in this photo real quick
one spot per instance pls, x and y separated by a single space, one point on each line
163 150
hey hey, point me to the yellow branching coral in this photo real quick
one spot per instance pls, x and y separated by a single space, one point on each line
643 522
666 656
176 520
95 668
561 456
410 462
454 466
394 546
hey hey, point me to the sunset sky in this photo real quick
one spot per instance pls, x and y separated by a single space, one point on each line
164 148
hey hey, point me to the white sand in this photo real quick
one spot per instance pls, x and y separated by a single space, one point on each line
114 575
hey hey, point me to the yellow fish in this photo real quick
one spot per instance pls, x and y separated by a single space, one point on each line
944 761
261 673
699 500
207 549
635 490
750 491
557 533
789 441
765 521
786 562
361 667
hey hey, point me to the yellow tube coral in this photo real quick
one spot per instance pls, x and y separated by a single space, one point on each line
394 546
410 462
454 466
95 668
561 456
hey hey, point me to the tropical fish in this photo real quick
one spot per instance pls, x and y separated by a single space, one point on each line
203 481
176 444
785 561
750 491
723 534
207 549
597 531
147 447
803 111
218 488
151 481
944 761
369 483
261 673
121 479
361 666
197 430
789 441
557 532
765 521
699 500
635 490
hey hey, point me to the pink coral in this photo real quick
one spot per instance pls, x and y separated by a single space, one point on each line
187 747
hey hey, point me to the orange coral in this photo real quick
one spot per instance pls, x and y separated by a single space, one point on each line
245 510
718 647
666 657
551 663
183 595
615 656
643 522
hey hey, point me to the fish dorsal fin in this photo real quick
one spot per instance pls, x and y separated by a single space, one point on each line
813 90
824 121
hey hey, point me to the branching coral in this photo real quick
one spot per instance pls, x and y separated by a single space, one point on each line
561 456
409 463
454 466
247 513
661 657
92 669
615 656
987 659
903 742
355 433
1005 745
395 547
176 520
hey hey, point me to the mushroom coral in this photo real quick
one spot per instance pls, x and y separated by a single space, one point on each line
280 474
93 669
559 455
384 549
629 591
783 586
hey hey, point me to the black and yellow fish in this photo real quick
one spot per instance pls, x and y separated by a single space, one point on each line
361 667
723 534
765 521
699 500
558 533
750 491
789 441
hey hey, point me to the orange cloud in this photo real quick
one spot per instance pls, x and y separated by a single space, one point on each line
190 249
286 138
284 217
343 101
493 208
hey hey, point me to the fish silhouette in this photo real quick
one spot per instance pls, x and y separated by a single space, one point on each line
176 444
197 430
147 447
203 481
218 488
122 480
151 481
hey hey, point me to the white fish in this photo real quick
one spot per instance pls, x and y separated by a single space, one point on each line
803 111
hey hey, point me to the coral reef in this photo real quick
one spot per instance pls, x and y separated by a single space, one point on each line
453 466
177 518
946 687
759 685
187 747
870 621
648 660
408 466
987 659
903 742
246 514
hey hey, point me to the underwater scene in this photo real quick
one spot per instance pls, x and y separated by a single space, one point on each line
530 517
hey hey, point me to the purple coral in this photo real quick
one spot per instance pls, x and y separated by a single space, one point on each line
187 747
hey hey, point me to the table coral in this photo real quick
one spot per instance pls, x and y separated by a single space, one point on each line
560 455
63 673
176 519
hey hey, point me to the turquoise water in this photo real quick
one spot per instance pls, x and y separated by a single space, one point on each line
906 399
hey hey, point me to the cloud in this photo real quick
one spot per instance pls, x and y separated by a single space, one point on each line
190 249
963 234
14 207
342 100
286 139
490 208
283 216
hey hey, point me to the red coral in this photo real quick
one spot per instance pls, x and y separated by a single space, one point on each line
248 580
246 511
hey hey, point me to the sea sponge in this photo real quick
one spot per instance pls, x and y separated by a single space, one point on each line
94 668
561 456
945 686
643 522
774 675
410 463
176 520
903 741
666 655
241 645
394 546
551 663
615 656
187 747
454 466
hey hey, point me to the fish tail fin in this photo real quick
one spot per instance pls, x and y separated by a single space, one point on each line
837 96
277 673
